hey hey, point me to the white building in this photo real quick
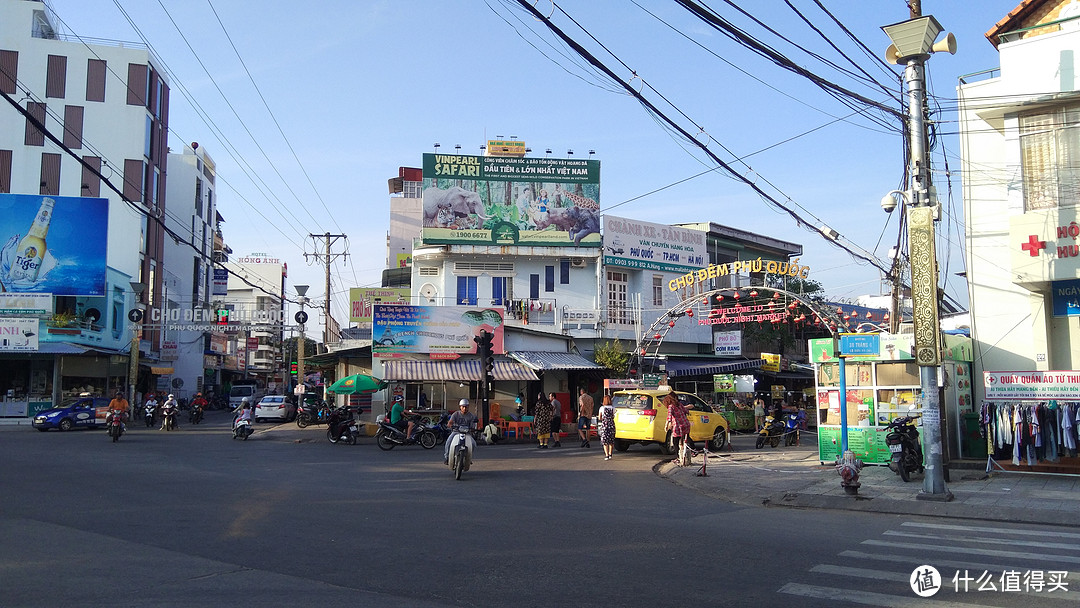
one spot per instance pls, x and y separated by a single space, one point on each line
1020 147
254 301
107 105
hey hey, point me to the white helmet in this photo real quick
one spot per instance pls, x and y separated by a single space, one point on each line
244 400
464 402
170 396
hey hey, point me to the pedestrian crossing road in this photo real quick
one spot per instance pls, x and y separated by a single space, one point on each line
943 565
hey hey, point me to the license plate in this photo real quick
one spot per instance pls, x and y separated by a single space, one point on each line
896 448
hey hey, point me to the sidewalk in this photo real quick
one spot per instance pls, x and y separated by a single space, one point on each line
793 477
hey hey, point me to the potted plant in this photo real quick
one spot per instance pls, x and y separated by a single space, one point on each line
63 323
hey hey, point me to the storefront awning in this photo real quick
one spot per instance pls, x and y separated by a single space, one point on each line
455 371
544 360
161 371
708 367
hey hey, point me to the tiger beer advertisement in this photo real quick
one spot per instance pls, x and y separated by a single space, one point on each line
53 244
402 328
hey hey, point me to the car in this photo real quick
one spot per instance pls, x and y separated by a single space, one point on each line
84 411
275 407
641 417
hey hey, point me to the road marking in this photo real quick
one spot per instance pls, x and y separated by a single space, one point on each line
869 598
880 575
1053 533
988 541
919 560
1042 557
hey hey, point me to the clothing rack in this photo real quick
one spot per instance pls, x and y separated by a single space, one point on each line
1029 432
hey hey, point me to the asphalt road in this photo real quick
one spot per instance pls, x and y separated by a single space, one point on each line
194 518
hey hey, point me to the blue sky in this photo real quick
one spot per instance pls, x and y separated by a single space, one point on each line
360 88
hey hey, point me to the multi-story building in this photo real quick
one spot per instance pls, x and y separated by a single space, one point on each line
256 315
1018 128
84 124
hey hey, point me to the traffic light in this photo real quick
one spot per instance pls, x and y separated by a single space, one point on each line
485 349
292 368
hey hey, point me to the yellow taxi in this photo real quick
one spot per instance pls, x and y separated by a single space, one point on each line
641 417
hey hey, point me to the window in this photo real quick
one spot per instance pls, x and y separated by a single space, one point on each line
549 278
133 180
5 171
564 272
198 197
466 290
9 71
498 291
34 136
138 77
73 126
148 143
658 290
534 286
95 79
412 189
50 174
1050 158
91 183
618 313
56 77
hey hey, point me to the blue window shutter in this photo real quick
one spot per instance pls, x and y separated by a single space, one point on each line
549 278
564 272
534 286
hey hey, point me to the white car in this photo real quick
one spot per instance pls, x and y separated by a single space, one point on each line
275 407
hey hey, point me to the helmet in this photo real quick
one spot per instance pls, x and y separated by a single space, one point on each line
398 398
244 400
464 402
170 396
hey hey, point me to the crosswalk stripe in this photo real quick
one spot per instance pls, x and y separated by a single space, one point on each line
1053 533
879 575
870 598
940 563
988 541
1042 557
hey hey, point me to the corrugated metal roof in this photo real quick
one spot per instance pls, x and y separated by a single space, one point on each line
700 367
545 360
455 371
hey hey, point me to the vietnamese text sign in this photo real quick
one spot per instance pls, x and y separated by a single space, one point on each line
727 343
362 299
18 334
635 244
402 328
1062 385
221 282
53 244
26 304
860 344
511 201
1066 298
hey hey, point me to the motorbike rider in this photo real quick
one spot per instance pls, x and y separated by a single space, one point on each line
397 418
170 407
120 404
245 414
198 406
150 408
461 418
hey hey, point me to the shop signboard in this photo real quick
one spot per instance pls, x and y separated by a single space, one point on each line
643 245
1066 298
723 383
221 282
652 381
24 304
363 299
402 328
1061 385
891 347
490 200
772 362
860 344
169 350
18 334
53 244
728 343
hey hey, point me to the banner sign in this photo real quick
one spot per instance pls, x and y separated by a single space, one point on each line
635 244
727 343
1066 298
26 304
723 383
483 200
401 328
363 299
53 244
18 334
221 282
1061 385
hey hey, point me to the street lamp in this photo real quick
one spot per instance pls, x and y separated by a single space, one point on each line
133 355
912 44
301 318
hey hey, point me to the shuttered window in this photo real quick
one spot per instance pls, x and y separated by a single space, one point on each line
56 77
73 126
91 183
50 174
136 84
133 180
1050 159
9 71
95 79
34 136
5 171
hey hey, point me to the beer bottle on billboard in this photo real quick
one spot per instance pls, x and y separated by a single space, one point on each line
31 249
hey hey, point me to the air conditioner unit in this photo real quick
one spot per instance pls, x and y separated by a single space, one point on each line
577 262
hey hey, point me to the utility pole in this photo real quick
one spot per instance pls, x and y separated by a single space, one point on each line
913 42
326 257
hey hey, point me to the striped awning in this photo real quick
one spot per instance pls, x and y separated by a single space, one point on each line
454 371
545 360
705 367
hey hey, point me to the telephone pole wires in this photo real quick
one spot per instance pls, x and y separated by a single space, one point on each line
330 332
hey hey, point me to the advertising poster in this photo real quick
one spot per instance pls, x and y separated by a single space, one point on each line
402 328
363 299
723 383
490 200
18 334
635 244
53 244
221 282
1034 385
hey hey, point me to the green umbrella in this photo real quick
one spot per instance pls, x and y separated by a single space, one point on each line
356 384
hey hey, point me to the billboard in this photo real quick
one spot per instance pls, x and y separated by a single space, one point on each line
53 244
401 328
362 299
18 334
486 200
635 244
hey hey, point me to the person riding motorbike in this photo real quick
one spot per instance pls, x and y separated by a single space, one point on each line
170 407
198 406
461 418
120 404
397 418
150 408
246 413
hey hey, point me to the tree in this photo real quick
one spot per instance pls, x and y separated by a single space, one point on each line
611 355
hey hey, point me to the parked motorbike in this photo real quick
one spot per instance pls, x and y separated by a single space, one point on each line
312 414
389 436
242 429
903 440
115 420
441 430
196 414
791 429
343 427
168 419
148 415
770 432
462 445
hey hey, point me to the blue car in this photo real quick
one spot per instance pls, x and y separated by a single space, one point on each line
83 412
